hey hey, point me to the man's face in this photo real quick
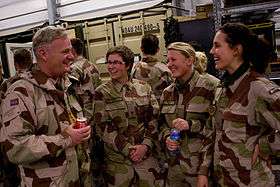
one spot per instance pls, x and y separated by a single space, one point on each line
57 57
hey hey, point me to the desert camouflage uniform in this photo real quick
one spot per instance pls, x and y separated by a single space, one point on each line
9 173
125 116
247 112
191 102
84 79
34 119
154 72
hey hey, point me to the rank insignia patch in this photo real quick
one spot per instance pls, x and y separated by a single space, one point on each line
14 102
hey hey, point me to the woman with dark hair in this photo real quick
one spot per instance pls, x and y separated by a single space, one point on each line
126 119
246 110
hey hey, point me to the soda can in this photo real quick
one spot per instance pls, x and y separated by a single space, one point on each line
81 122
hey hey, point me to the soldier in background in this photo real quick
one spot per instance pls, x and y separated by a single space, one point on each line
39 137
22 62
184 107
246 111
85 78
150 69
126 118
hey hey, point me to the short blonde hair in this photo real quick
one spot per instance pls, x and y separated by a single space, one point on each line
186 49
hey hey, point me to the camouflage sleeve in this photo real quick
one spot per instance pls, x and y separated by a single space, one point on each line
207 148
202 128
91 80
106 127
25 144
95 77
167 78
267 111
151 131
163 127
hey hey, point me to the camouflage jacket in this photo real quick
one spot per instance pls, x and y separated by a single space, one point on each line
191 102
125 115
247 113
34 118
154 72
3 89
85 79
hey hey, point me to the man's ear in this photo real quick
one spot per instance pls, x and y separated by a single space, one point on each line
42 52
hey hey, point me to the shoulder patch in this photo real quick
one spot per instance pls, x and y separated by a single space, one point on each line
14 102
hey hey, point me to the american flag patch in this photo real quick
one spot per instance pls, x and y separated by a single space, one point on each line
14 102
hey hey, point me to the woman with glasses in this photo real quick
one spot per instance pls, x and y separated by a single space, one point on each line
125 118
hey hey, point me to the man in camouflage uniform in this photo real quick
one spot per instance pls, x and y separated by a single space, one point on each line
184 106
22 62
150 69
125 115
84 79
39 137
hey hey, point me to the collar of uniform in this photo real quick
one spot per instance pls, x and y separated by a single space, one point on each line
66 82
150 59
40 79
77 59
191 82
228 79
194 79
119 86
236 83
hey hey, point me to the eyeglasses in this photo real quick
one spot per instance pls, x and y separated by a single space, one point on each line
115 62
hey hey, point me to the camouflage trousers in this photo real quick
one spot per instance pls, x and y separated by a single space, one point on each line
84 162
258 177
143 174
176 178
182 173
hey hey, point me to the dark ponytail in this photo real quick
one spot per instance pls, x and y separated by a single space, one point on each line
263 55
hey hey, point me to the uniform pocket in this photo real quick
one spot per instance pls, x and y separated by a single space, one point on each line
46 119
169 112
117 112
144 110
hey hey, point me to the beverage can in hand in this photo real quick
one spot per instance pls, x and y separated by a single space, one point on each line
81 122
